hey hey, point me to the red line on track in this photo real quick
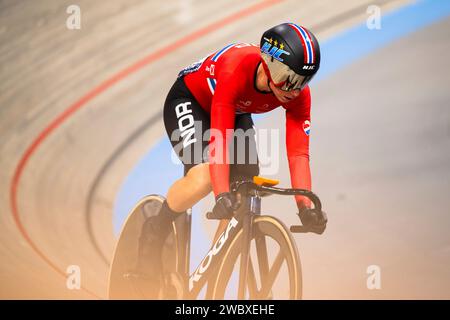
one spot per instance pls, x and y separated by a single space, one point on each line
160 53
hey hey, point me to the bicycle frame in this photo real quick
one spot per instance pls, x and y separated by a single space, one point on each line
206 269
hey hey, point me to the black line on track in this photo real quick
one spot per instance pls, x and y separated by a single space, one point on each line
101 173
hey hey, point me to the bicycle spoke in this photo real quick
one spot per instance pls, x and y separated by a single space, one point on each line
252 286
266 286
263 259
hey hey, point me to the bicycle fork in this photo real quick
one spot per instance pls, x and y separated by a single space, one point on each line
253 207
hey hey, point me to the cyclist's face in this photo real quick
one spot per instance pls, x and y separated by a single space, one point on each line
284 96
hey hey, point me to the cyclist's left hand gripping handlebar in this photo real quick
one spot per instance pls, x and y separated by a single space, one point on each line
313 220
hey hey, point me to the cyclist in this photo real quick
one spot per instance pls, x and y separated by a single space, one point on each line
220 93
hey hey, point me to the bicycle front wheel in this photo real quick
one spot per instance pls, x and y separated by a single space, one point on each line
274 270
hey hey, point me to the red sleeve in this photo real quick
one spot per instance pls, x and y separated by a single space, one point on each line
297 144
222 128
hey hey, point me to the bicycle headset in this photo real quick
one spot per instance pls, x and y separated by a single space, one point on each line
290 56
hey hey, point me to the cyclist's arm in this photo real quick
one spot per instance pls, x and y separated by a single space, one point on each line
297 145
222 128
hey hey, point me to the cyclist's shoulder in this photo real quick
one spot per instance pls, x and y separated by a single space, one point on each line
240 63
241 56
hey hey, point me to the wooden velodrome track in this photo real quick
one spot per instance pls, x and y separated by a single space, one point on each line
78 108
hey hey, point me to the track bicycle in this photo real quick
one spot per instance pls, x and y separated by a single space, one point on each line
255 257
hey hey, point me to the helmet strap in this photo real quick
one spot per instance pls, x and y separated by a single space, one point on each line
266 70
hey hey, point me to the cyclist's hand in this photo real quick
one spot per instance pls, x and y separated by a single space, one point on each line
313 220
224 206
